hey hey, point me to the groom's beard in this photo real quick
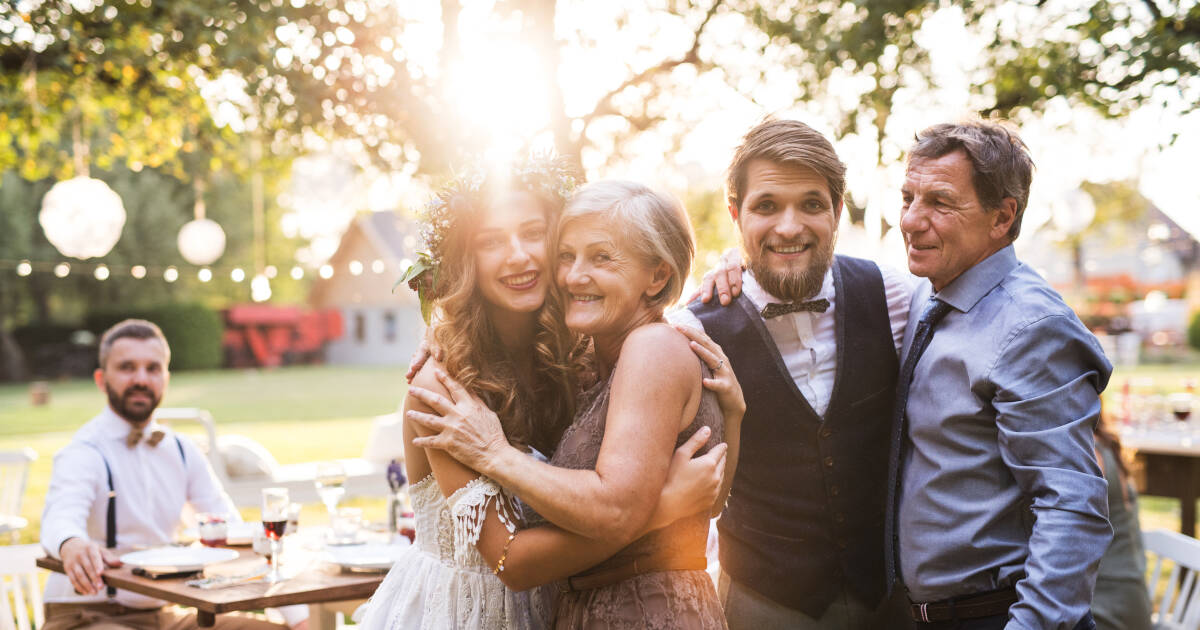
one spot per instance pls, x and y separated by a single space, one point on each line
793 284
134 411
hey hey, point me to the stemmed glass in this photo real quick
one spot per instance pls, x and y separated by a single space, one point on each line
330 483
274 519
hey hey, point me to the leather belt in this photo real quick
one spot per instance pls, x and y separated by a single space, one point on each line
966 607
112 609
646 564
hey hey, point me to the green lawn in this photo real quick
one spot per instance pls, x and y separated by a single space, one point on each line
300 414
293 394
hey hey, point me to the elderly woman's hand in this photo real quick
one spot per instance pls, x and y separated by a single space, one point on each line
462 426
693 483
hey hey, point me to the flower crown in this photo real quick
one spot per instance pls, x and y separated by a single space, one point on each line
541 174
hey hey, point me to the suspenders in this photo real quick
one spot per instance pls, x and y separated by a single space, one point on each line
110 519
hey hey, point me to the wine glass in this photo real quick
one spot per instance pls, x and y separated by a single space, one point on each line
274 519
330 483
1181 405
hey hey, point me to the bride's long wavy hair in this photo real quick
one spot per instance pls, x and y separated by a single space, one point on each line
532 413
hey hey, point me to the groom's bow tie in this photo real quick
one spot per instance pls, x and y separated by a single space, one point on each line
811 306
135 436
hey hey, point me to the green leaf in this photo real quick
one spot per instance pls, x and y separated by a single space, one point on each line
414 270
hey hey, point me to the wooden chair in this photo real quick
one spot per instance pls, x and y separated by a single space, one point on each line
1179 607
20 593
14 472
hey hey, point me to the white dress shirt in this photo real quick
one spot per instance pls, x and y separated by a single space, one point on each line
808 341
152 484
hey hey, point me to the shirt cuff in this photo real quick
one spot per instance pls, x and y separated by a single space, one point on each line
52 545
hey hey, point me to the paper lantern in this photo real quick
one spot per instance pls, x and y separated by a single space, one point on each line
82 217
201 241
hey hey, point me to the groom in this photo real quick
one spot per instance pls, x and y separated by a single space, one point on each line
813 339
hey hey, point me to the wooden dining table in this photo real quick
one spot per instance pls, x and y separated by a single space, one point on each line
320 585
1170 467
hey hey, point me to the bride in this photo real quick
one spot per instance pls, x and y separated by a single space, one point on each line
501 336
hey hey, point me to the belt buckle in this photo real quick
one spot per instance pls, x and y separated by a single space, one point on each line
925 612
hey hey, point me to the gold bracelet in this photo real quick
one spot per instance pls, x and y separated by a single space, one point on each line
503 554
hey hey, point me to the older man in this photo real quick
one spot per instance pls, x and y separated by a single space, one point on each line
997 507
813 339
123 482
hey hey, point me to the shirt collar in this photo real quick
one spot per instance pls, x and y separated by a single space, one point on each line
760 298
114 426
965 291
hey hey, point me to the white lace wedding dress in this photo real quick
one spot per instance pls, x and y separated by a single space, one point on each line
441 581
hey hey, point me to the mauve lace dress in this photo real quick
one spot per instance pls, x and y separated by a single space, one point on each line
661 601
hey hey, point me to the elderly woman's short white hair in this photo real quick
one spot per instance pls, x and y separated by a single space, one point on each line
651 225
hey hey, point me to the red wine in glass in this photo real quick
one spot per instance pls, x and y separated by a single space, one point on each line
407 526
213 542
274 529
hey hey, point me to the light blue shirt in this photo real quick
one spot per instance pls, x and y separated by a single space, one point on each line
999 478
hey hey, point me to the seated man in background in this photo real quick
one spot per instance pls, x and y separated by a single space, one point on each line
122 482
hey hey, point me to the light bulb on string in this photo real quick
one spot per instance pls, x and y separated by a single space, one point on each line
260 288
62 269
138 272
24 268
204 274
237 275
326 271
270 272
171 274
297 273
101 273
377 266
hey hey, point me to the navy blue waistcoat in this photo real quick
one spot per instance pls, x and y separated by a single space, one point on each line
805 517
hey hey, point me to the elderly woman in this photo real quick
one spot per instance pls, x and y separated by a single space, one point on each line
623 252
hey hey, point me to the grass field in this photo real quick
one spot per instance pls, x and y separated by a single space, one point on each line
300 414
314 413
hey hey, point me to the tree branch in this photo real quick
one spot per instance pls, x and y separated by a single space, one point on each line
605 107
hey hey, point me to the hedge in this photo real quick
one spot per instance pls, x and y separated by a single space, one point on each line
192 330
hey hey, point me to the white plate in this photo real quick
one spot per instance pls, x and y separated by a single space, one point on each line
368 556
178 558
237 534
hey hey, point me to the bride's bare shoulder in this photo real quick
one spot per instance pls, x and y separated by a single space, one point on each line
426 378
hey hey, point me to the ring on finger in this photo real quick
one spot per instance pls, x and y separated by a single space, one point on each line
720 365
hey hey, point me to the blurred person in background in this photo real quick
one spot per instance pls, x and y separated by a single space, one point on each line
1121 601
123 482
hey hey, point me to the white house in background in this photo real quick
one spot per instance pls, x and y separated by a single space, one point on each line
381 327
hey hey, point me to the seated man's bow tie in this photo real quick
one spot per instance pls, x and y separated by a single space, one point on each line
135 436
811 306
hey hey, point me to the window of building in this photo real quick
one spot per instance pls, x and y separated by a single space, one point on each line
389 327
